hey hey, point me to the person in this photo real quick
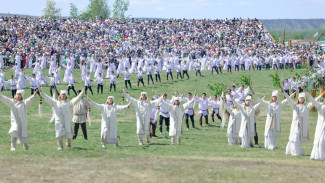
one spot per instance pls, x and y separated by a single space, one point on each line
234 123
149 73
189 112
203 108
247 129
179 71
34 83
169 71
273 118
176 111
197 67
109 112
70 80
62 115
18 114
154 115
215 103
127 78
140 77
13 85
164 115
88 83
112 80
99 80
142 108
299 125
185 68
318 152
157 73
80 110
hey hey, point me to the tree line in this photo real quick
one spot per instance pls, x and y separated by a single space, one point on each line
96 9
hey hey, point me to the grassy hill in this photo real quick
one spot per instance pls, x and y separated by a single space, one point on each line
294 24
203 156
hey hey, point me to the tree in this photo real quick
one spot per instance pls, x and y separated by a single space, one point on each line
73 11
50 11
96 9
120 7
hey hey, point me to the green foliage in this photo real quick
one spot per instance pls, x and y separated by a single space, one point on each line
50 11
96 9
120 7
275 80
293 34
73 11
217 88
245 79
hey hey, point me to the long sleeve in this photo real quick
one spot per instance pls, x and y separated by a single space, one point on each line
75 100
156 102
6 100
96 106
169 107
121 107
291 102
263 102
238 105
30 100
313 101
130 99
228 109
48 99
188 104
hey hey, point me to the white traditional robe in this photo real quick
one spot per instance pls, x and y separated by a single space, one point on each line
18 115
247 129
62 110
176 117
143 109
233 125
272 124
109 121
318 152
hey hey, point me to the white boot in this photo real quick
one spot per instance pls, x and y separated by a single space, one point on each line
60 143
173 140
13 144
140 140
69 143
25 147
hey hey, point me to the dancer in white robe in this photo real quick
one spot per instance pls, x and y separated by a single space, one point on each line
176 112
234 123
18 109
143 108
318 152
62 109
109 112
299 126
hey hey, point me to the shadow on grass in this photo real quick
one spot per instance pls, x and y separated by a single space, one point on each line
81 148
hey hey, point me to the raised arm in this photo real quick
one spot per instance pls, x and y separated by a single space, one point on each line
157 101
122 107
47 99
96 106
263 102
238 105
291 102
30 99
130 99
186 105
312 100
169 107
6 100
77 99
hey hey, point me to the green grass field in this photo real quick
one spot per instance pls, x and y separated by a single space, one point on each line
203 156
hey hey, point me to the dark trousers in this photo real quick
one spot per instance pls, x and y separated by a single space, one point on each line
149 77
293 92
51 90
220 70
88 87
83 128
229 68
112 85
287 91
185 72
242 66
267 66
192 120
13 92
171 75
153 129
217 114
158 77
236 67
214 68
275 66
198 71
32 91
126 84
206 119
100 86
161 119
179 74
256 136
259 67
71 88
140 80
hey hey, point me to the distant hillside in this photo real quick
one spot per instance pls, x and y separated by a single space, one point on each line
294 24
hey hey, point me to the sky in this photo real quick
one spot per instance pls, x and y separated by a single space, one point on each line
197 9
